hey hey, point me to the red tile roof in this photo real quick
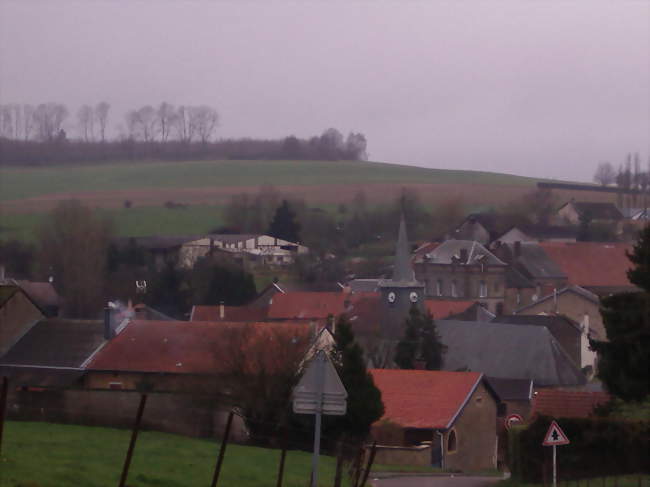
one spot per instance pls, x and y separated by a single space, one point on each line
191 347
307 305
425 399
364 313
591 263
231 313
441 309
567 404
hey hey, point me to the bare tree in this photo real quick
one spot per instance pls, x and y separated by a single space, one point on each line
184 128
48 118
6 121
605 174
28 121
165 115
260 364
101 114
141 123
86 120
73 249
204 120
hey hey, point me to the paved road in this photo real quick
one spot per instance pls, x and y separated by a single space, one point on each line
435 481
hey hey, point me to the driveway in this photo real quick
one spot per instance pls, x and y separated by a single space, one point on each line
434 481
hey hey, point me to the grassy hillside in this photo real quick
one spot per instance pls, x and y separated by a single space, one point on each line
200 189
54 455
27 183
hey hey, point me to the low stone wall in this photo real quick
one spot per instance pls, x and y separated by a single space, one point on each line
403 455
187 415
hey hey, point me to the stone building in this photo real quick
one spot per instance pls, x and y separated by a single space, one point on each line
465 270
444 419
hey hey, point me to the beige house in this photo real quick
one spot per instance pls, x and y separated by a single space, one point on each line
463 269
260 249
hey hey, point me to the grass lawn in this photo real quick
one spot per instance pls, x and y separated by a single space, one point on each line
18 183
134 222
55 455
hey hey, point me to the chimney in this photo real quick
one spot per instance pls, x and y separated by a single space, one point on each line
463 256
517 249
108 328
222 310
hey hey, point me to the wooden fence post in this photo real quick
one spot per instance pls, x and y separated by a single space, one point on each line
134 437
369 465
222 451
283 456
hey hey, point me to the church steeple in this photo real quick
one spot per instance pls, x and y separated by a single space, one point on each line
402 291
403 270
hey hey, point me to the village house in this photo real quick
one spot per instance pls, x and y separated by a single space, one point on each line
442 419
573 212
463 269
576 303
507 351
570 334
18 313
252 249
560 403
538 233
598 267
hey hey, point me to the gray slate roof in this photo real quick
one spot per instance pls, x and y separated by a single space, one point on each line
508 351
534 261
57 343
512 389
451 249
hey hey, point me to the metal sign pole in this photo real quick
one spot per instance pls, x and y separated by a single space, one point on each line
319 410
554 467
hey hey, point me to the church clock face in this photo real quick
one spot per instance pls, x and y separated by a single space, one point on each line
413 297
392 297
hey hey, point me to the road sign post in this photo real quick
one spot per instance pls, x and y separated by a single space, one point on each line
555 437
320 391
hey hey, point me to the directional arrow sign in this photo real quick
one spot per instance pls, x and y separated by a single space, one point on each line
555 436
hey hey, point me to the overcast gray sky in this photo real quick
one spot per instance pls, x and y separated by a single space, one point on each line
545 88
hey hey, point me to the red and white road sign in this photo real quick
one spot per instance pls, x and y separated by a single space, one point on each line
512 420
555 436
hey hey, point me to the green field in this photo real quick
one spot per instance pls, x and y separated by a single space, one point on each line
204 187
54 455
21 183
133 222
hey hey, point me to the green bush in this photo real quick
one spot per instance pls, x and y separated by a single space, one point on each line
598 447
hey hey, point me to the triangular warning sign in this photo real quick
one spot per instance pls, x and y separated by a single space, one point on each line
555 436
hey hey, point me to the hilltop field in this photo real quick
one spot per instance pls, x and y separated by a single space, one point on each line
199 189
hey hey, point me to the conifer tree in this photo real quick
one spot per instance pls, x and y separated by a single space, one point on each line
624 360
284 224
421 342
364 405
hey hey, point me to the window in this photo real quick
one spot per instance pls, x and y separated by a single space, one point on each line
439 287
451 441
497 286
482 289
454 291
518 297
